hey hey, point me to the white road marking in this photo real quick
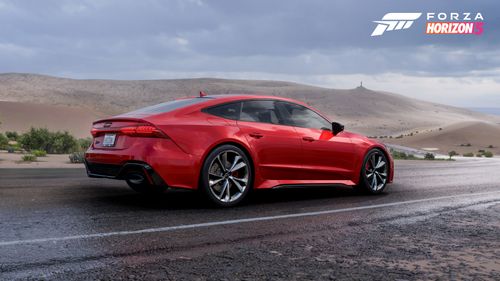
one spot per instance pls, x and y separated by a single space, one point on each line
236 221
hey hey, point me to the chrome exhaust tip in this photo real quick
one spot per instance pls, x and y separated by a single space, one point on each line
136 178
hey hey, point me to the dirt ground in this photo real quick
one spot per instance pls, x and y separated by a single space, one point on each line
14 160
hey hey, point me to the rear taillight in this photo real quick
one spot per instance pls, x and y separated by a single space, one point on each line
147 131
142 131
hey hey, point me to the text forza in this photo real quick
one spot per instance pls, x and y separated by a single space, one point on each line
454 23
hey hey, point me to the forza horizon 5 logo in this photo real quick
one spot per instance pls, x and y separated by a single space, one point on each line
436 23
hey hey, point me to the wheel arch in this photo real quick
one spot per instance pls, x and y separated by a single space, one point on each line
365 153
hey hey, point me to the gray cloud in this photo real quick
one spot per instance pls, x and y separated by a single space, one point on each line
144 39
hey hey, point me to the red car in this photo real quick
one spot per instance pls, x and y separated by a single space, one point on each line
229 144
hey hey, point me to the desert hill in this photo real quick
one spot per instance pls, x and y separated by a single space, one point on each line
463 137
20 116
70 104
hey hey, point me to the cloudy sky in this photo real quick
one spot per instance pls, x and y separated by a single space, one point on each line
325 43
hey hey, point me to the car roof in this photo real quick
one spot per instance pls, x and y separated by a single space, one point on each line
237 97
209 101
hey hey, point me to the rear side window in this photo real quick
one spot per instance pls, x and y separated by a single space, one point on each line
263 111
228 111
166 106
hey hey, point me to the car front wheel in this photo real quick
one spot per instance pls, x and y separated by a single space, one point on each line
374 172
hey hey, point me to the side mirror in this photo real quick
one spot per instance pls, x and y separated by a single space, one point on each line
337 128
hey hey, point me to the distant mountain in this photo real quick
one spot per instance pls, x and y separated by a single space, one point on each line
487 110
360 109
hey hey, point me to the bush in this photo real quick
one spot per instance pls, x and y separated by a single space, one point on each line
77 157
14 136
468 154
452 153
43 139
398 155
84 144
29 158
63 143
3 141
402 155
490 146
479 155
39 153
488 154
429 156
35 139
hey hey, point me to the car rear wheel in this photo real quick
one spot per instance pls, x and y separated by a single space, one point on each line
226 177
374 172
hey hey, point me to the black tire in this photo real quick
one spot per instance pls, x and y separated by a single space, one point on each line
227 176
143 186
374 172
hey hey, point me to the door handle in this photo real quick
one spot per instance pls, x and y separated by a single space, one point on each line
256 135
309 139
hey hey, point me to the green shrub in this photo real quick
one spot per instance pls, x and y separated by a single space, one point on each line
29 158
77 157
402 155
14 136
51 142
398 155
4 141
452 153
490 146
63 143
468 154
35 139
479 155
488 154
84 144
39 153
429 156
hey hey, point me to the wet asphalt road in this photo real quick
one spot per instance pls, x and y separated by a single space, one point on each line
439 220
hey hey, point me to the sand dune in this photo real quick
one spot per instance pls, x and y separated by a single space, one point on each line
360 109
16 116
480 135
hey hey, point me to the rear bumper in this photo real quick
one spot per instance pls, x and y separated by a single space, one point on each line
159 157
119 172
98 170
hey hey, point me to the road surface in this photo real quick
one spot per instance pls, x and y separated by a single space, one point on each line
439 220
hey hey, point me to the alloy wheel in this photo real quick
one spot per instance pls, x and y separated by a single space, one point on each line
228 176
376 171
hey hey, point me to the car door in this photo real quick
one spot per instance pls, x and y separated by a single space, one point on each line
276 147
324 156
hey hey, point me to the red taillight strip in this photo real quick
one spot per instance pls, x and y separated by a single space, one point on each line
149 131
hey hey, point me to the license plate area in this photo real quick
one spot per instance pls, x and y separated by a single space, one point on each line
109 140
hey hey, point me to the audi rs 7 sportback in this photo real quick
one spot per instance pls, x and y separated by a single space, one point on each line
227 145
